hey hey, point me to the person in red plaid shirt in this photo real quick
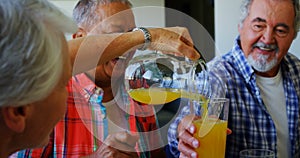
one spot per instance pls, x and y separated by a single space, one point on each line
99 128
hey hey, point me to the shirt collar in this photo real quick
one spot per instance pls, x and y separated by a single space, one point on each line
84 81
240 60
86 85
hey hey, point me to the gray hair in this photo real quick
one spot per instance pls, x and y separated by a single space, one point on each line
84 11
245 12
31 36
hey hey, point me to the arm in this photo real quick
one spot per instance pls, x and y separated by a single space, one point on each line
90 51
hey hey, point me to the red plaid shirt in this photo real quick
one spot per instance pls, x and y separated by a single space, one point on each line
81 131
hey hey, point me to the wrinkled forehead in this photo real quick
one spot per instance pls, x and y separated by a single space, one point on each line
125 18
114 17
272 10
115 10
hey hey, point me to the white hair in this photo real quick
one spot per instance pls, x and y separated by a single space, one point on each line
84 11
31 36
245 7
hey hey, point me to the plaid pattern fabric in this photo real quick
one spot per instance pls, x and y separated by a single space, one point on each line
146 124
81 132
41 152
249 120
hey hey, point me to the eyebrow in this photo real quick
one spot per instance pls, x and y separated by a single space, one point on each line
258 19
283 25
120 28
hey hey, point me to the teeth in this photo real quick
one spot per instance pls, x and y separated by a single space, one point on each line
266 49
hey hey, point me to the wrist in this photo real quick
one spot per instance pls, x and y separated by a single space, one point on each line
147 37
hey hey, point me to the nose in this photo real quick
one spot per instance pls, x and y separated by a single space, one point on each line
268 36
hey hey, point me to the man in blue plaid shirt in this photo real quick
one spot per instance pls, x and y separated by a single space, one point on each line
262 82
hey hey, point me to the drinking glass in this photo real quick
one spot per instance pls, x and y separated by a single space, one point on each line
211 127
257 153
211 114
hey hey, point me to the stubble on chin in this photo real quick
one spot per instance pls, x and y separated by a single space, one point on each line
260 62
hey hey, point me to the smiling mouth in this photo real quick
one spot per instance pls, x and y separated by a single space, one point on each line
266 47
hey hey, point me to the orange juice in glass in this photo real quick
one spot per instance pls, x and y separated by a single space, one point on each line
211 128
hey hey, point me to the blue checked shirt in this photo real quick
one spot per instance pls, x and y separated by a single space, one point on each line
249 120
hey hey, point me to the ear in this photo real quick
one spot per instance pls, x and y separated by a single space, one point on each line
15 117
80 33
239 28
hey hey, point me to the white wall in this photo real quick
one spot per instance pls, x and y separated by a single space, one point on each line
227 14
67 5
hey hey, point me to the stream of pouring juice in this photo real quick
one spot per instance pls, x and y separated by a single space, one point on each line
156 96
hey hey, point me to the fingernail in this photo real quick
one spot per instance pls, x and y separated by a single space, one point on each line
194 155
195 144
192 129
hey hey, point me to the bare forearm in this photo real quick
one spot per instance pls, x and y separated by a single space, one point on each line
90 51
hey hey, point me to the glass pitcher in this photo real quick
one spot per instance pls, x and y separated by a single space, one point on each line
156 78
